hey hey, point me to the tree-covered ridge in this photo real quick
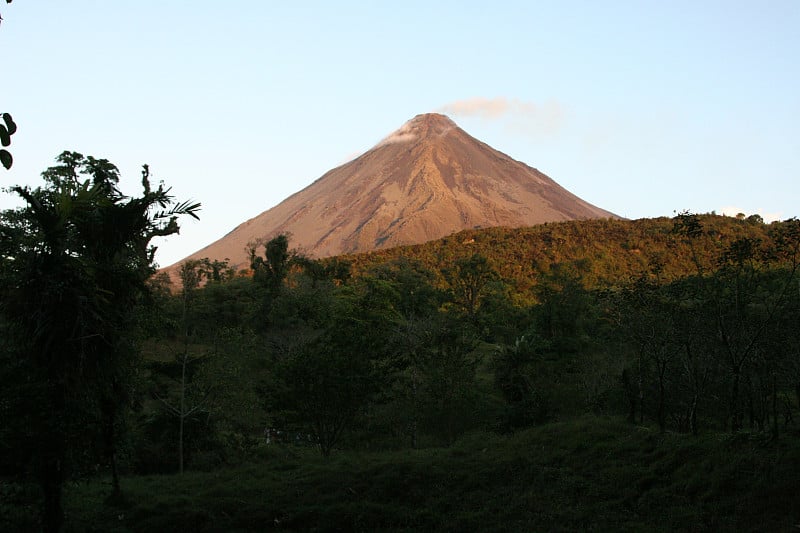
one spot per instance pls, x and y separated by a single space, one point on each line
606 252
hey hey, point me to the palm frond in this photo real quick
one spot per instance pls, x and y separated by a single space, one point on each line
184 208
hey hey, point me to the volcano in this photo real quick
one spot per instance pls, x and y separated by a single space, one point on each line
425 181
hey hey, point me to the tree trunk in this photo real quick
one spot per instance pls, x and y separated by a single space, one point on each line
110 412
52 483
751 407
415 412
661 416
111 448
630 394
735 412
182 413
797 392
52 477
53 452
641 391
774 406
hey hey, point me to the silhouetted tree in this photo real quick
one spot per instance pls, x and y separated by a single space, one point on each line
271 270
75 261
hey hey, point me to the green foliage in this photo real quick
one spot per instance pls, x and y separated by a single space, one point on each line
7 129
495 346
709 346
611 251
213 383
469 279
272 269
513 366
74 262
565 313
332 376
327 389
449 395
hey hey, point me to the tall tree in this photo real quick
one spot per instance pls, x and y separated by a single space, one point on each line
332 377
648 321
192 274
525 405
75 261
448 366
272 269
416 301
469 280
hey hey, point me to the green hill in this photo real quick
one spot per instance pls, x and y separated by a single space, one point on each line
607 252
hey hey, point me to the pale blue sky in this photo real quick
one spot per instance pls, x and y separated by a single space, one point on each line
642 108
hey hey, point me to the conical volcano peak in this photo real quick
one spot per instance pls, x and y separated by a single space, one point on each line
432 121
425 181
421 127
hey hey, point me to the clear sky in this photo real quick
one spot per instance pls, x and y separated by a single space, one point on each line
643 108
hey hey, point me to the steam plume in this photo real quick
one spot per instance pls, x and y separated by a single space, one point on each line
525 117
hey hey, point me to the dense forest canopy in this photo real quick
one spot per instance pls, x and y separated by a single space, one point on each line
607 251
685 325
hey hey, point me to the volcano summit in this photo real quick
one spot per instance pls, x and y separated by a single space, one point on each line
425 181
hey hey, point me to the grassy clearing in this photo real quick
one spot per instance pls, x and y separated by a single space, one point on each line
590 474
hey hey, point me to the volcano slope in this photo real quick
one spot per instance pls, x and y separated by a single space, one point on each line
424 181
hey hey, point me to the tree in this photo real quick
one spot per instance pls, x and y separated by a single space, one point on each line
565 312
469 281
332 269
75 261
272 269
327 387
448 365
331 378
691 321
203 380
648 321
744 286
524 404
192 274
416 301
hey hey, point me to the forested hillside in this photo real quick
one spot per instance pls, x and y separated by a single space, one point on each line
597 365
606 252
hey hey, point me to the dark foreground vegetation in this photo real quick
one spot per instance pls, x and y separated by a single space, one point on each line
594 375
588 474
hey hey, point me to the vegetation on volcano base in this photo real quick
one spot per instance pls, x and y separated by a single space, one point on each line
598 374
606 252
